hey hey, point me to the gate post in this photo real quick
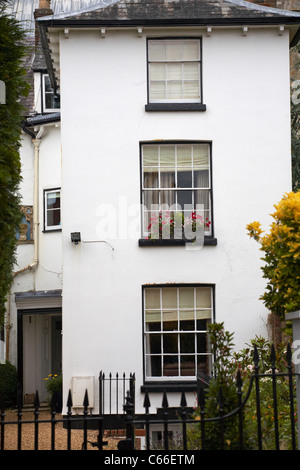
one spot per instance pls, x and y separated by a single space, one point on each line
294 317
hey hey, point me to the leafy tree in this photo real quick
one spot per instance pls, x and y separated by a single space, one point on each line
281 247
12 73
295 121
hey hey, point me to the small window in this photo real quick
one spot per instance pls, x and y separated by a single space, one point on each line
174 71
51 102
52 209
175 331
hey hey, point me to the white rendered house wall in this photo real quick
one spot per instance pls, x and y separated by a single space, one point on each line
104 92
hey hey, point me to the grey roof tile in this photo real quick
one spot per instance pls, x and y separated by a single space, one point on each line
118 10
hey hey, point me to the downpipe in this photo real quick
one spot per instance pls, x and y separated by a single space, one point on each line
36 140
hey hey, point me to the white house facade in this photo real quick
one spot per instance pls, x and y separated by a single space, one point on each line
164 105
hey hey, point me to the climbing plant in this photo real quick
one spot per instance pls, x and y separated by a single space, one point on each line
13 75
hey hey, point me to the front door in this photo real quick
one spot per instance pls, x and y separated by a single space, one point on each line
42 352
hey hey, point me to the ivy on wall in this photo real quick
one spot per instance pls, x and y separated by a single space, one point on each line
12 73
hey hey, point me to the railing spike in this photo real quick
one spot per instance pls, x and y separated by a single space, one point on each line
36 400
86 399
239 381
183 402
255 356
273 355
289 354
147 403
69 401
165 403
201 398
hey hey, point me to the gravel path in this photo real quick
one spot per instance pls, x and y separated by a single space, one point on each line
44 434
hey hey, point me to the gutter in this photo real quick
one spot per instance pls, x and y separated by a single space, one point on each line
287 18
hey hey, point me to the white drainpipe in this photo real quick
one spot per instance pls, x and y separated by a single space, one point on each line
36 143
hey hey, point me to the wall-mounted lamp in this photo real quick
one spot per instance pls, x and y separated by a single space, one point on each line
75 237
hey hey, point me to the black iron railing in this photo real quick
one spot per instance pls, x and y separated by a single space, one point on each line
117 409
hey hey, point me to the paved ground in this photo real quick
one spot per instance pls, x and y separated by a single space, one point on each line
44 434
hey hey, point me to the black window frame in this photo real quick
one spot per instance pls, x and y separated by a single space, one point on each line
209 240
47 229
197 106
176 384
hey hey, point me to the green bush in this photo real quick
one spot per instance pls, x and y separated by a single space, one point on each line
227 363
8 385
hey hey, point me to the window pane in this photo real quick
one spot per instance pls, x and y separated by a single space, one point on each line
151 198
167 179
47 84
167 198
152 298
52 101
53 200
201 179
191 90
187 343
203 297
187 365
170 322
153 366
184 178
191 50
157 90
186 325
157 50
170 366
203 364
202 198
155 343
174 71
184 155
169 298
191 72
170 343
150 177
174 50
153 322
201 343
201 156
184 198
157 72
53 217
186 298
174 90
150 155
167 155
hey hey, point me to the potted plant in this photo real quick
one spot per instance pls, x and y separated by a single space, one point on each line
175 225
54 388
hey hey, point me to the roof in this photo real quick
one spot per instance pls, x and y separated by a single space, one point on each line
151 11
23 10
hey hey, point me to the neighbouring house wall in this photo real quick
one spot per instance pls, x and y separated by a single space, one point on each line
104 92
48 275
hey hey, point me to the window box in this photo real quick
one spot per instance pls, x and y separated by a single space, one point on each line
208 241
175 107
